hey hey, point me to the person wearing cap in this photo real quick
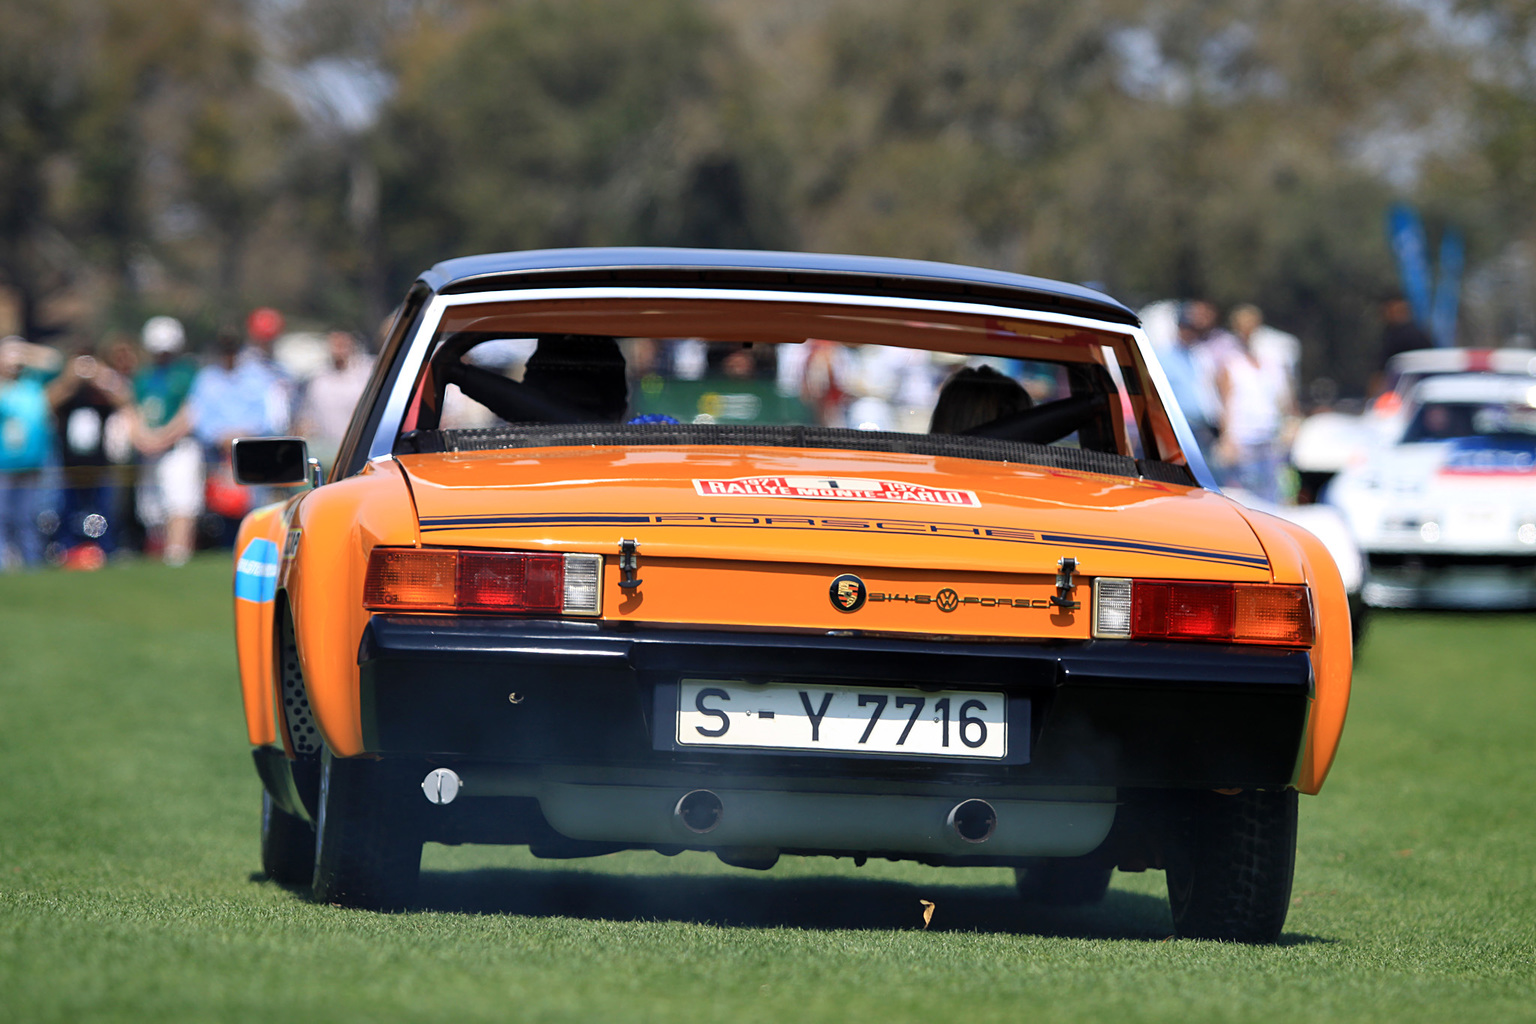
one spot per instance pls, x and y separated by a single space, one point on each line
26 447
170 488
258 370
243 392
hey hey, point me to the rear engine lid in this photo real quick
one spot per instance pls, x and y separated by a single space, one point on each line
910 515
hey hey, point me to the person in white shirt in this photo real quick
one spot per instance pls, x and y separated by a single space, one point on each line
332 394
1268 343
1256 398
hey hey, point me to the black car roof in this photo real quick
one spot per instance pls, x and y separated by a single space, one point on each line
868 275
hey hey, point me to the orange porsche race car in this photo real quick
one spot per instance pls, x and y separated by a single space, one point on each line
771 553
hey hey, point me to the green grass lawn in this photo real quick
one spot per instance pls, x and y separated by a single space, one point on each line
128 846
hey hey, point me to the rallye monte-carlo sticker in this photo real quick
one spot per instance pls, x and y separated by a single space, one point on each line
838 489
256 572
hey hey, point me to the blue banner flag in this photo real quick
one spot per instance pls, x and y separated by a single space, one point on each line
1406 231
1442 322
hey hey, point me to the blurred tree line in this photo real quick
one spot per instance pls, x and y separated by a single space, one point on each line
201 156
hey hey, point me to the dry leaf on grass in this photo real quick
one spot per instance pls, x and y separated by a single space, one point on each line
927 911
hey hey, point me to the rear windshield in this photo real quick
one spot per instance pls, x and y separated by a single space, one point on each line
1002 392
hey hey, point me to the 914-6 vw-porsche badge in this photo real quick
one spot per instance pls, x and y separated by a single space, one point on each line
848 593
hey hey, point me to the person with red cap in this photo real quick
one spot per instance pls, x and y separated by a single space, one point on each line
242 393
262 328
261 370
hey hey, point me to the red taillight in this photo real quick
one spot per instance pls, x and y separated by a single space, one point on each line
427 579
496 582
1251 613
1181 610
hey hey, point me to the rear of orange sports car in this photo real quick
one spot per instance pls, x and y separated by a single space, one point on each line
567 589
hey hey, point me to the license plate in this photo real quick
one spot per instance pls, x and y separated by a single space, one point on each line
848 719
1474 524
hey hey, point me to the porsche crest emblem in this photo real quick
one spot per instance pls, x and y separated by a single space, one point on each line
848 593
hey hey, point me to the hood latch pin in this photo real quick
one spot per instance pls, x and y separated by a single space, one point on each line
629 564
1063 597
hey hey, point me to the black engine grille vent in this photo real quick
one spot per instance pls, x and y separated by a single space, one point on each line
543 435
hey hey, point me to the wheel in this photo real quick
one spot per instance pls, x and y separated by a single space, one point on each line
287 845
368 852
1063 882
1357 620
1230 860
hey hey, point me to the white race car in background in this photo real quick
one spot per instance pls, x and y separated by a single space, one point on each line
1446 515
1327 442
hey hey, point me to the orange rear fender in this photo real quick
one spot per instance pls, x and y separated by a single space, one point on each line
337 526
258 554
1296 556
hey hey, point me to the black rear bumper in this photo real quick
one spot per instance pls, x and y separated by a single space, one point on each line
583 693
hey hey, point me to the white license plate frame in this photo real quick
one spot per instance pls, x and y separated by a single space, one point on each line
826 719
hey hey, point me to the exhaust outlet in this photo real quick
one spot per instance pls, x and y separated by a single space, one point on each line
973 820
699 811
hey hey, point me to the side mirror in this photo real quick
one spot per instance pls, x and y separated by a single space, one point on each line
270 460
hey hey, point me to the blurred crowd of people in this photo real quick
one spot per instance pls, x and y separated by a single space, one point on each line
123 448
1237 386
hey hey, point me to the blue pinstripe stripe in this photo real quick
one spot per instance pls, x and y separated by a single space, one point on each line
436 524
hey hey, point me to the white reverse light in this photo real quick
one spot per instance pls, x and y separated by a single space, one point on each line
1111 607
583 589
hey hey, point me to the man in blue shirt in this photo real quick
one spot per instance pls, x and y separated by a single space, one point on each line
242 393
239 394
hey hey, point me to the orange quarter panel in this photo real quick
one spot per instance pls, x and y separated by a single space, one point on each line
338 525
1299 557
253 619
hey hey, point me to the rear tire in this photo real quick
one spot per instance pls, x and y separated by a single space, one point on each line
1230 861
1358 613
1063 882
368 849
287 845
